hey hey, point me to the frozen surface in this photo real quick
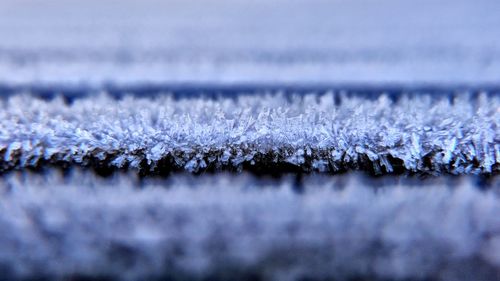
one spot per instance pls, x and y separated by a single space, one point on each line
329 132
235 41
234 227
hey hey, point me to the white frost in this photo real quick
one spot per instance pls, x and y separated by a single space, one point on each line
422 133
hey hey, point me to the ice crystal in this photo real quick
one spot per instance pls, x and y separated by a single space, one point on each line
415 133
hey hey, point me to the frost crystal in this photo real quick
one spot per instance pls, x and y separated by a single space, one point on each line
414 133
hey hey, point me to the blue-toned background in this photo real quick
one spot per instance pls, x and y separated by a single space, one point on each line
221 41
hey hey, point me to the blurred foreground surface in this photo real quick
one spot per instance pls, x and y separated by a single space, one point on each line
223 227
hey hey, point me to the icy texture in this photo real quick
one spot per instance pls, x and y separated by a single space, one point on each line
227 41
417 133
229 228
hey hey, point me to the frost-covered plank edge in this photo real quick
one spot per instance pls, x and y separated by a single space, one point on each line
311 133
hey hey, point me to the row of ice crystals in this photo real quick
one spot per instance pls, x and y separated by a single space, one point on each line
460 136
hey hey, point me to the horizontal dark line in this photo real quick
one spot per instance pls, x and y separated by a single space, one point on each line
195 90
261 165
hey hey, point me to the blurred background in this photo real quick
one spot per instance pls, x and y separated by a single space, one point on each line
238 41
